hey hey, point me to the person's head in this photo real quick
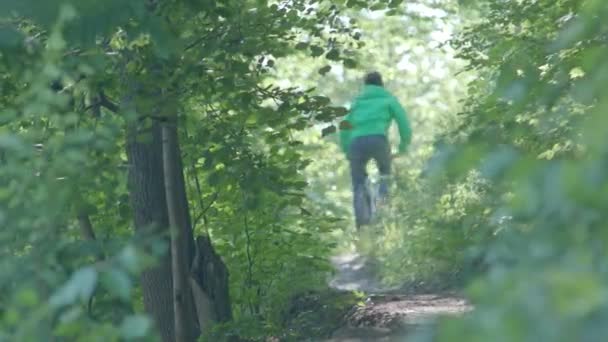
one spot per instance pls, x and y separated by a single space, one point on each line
373 78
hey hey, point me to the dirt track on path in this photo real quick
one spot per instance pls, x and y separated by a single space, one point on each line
387 315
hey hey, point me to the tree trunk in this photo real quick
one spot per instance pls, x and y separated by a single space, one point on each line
86 228
88 233
183 211
151 207
147 194
181 235
204 274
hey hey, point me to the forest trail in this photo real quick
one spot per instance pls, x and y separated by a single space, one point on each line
388 314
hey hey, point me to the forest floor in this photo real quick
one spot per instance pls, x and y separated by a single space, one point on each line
389 314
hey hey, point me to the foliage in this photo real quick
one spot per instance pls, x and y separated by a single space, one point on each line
514 187
411 51
514 183
74 74
536 137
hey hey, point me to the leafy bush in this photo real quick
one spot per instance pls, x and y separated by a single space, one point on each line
547 272
84 88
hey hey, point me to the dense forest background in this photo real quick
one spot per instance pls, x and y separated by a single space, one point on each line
164 172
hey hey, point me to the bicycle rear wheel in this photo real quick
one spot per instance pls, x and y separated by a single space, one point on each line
362 206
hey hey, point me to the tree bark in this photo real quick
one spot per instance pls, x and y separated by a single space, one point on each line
210 284
158 196
86 228
183 210
88 233
181 234
147 194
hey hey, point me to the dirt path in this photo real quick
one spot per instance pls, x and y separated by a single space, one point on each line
387 314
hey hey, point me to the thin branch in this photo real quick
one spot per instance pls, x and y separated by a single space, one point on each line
196 42
204 211
197 183
73 52
88 234
105 102
249 260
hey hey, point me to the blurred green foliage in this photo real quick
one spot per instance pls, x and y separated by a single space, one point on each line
412 51
509 195
535 121
504 186
75 74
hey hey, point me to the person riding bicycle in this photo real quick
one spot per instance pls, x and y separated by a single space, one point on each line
363 136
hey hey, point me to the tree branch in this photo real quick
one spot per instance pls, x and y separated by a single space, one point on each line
204 211
104 101
88 234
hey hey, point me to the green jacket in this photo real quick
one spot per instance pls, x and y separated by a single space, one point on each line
372 113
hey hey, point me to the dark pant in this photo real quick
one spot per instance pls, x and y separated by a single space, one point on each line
361 151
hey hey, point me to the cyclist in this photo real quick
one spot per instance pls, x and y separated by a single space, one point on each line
363 136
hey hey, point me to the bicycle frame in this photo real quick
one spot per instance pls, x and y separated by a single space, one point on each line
367 201
367 198
372 187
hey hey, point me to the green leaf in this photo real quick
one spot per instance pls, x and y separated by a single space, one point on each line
71 315
316 51
118 283
339 111
378 6
136 326
333 55
324 70
352 3
328 130
129 259
395 3
350 63
302 46
80 286
27 297
321 100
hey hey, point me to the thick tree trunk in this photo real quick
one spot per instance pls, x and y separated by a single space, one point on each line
181 235
150 212
151 207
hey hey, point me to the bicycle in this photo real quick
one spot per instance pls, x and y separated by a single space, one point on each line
366 195
365 206
368 199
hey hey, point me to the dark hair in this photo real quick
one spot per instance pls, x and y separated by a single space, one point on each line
374 78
